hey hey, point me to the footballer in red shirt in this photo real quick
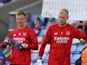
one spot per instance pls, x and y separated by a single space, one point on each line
60 36
25 40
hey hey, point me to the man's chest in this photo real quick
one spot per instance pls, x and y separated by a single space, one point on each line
20 36
62 35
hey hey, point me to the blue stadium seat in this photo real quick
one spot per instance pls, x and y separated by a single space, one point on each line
7 63
74 57
76 50
71 55
80 47
47 25
35 16
34 63
72 64
40 39
45 58
34 57
73 48
45 64
42 33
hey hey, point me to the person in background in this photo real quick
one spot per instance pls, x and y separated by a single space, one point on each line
37 26
1 3
85 27
6 1
28 20
53 21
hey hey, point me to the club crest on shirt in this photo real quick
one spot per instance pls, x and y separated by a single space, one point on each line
19 34
24 34
67 32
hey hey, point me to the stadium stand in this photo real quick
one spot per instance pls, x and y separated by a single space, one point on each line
31 6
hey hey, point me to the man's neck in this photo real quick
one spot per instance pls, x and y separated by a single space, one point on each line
62 25
21 27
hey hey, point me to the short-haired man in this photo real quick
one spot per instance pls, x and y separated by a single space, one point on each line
25 40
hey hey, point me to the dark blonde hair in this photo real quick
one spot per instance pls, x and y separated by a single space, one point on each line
21 13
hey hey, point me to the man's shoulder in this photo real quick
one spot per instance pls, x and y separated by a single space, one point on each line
15 29
69 25
72 27
29 28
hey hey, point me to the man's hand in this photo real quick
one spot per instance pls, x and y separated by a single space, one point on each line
21 46
39 62
9 41
82 41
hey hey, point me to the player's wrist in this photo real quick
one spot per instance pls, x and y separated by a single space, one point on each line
6 41
21 46
39 57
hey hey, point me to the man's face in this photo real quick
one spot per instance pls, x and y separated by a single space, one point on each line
63 16
20 19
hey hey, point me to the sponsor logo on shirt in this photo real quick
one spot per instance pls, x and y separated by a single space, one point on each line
61 39
19 40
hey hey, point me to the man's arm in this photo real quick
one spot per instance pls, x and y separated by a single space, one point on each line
34 41
46 39
79 34
3 45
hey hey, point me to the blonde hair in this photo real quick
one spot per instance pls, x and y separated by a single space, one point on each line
64 10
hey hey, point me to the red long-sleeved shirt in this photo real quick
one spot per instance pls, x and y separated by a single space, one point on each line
60 40
25 35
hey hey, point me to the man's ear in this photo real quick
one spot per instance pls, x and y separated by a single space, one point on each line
68 17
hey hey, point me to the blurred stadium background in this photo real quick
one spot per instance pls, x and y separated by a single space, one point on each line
34 7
